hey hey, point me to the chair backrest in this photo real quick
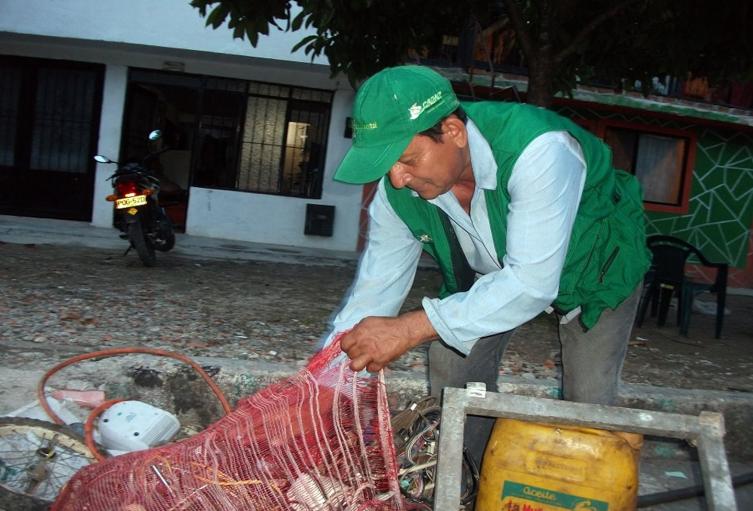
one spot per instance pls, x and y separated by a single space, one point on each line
669 257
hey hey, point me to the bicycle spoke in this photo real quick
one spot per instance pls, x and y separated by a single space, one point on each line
38 458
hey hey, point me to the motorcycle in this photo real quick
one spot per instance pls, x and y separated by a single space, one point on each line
138 215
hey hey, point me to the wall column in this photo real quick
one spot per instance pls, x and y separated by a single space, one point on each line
110 129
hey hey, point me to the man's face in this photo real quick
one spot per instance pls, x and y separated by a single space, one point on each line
431 168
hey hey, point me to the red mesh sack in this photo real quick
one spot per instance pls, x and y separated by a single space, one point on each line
320 440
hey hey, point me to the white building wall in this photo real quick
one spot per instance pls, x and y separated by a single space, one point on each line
113 101
159 23
147 34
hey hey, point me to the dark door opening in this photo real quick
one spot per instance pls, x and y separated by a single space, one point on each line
162 101
49 124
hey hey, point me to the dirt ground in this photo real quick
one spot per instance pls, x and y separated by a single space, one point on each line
70 299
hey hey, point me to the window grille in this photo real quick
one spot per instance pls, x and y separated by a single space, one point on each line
62 120
49 121
10 88
284 140
248 135
261 151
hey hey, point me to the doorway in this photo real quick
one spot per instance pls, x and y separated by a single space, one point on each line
49 123
169 103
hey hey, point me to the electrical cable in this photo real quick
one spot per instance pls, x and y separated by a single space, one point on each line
125 351
89 424
417 430
89 427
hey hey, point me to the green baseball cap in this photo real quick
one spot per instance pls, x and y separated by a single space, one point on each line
390 108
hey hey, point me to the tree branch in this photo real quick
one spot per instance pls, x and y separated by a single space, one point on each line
589 28
524 35
545 37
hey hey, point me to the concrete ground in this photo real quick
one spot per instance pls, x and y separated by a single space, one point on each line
254 313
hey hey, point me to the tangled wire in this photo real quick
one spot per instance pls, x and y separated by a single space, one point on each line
416 435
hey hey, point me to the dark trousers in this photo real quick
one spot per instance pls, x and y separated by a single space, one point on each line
591 365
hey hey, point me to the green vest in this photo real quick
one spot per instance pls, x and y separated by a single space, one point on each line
607 255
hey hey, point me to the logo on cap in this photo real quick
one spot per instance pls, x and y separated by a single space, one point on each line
416 110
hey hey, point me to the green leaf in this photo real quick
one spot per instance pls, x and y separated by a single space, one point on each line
298 21
201 5
303 42
218 15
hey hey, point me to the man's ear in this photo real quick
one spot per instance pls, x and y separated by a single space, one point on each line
454 129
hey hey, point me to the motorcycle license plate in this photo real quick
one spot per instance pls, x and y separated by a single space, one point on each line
129 202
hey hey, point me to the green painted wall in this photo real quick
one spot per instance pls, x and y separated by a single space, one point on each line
720 212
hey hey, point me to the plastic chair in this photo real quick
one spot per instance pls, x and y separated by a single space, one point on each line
666 278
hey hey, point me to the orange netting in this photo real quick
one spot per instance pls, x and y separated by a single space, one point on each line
320 440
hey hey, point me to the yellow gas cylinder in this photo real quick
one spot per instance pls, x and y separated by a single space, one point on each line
544 467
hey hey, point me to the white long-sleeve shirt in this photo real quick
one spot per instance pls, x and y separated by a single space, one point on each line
545 188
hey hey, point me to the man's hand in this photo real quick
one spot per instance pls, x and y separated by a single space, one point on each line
376 341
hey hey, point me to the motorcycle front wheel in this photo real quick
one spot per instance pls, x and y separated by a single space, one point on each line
143 246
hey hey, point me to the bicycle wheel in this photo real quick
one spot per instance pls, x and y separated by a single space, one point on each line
37 458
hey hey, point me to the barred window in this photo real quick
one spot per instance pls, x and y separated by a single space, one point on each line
235 134
49 122
261 153
62 120
59 110
282 147
10 90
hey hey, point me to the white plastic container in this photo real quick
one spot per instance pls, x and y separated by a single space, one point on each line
134 426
